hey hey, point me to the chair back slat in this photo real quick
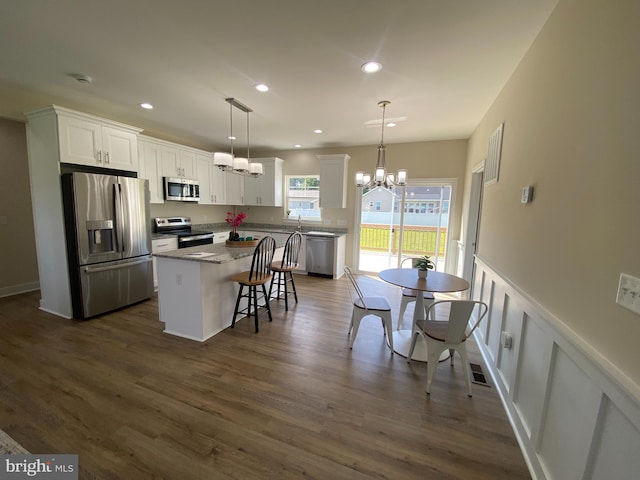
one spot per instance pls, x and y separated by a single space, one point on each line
291 250
354 289
262 258
460 313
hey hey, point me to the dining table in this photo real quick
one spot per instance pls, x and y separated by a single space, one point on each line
434 282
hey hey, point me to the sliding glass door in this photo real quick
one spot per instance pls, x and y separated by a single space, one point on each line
404 222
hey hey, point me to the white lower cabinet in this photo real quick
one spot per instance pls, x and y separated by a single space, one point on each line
161 245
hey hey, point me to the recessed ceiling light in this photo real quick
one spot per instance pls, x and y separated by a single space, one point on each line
231 137
146 106
297 145
317 130
391 124
371 67
81 78
261 87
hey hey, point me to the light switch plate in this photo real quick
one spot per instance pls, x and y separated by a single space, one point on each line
527 194
629 293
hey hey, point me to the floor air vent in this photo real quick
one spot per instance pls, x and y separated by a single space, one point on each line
478 375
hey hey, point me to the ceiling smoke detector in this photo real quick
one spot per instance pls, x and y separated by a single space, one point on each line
85 79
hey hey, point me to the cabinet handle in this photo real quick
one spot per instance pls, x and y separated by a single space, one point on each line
99 156
106 157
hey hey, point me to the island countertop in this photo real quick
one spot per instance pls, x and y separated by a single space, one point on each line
212 253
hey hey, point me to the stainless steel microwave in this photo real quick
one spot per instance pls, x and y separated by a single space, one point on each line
181 189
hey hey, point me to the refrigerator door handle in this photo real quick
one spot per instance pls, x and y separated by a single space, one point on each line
90 269
117 188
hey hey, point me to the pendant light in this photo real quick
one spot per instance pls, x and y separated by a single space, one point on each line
227 161
380 176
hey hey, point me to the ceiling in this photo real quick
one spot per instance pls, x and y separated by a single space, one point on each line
444 63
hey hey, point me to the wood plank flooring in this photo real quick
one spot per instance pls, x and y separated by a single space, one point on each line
289 402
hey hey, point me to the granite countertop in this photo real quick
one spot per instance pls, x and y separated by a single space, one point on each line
212 253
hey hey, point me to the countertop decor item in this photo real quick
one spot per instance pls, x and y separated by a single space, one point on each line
243 243
424 264
235 221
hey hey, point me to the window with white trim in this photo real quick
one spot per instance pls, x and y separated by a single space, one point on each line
302 197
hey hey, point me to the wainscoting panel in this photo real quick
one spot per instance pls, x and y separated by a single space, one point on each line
575 415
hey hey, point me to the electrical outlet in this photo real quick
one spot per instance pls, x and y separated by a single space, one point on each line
178 279
507 340
629 293
3 220
327 221
342 222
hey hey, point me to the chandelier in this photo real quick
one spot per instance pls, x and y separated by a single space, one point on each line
227 161
380 177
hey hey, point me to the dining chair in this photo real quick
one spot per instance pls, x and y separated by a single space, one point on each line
448 335
283 269
409 295
259 274
364 306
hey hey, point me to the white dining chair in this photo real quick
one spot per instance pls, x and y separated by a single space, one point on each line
364 306
448 335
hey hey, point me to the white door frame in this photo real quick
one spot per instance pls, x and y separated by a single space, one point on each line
473 221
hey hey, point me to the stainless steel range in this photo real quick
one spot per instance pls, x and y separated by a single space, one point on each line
181 227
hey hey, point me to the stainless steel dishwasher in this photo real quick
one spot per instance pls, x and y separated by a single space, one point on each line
321 254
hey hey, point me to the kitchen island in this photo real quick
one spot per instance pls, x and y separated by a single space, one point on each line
196 299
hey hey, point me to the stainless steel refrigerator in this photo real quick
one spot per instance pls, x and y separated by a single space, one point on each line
108 241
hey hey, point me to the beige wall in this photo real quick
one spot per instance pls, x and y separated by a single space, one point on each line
18 265
571 114
441 159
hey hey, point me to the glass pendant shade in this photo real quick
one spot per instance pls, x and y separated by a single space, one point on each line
240 164
222 160
255 168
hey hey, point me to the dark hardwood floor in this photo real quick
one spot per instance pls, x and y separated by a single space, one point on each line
289 402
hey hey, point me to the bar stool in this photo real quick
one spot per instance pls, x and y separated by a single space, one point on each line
259 274
283 269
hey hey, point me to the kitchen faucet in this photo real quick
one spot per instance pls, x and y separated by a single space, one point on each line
299 225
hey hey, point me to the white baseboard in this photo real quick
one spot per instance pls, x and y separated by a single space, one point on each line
574 414
18 289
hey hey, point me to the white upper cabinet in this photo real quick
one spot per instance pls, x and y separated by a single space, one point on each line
177 162
204 165
217 180
234 189
333 180
265 190
150 168
87 140
159 159
187 163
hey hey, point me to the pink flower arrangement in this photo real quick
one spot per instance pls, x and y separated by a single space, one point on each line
235 220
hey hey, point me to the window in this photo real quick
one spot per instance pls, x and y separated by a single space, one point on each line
378 205
303 196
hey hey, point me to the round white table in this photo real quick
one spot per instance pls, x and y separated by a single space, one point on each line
436 282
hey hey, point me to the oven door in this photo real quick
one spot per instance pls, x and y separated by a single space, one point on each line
185 241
